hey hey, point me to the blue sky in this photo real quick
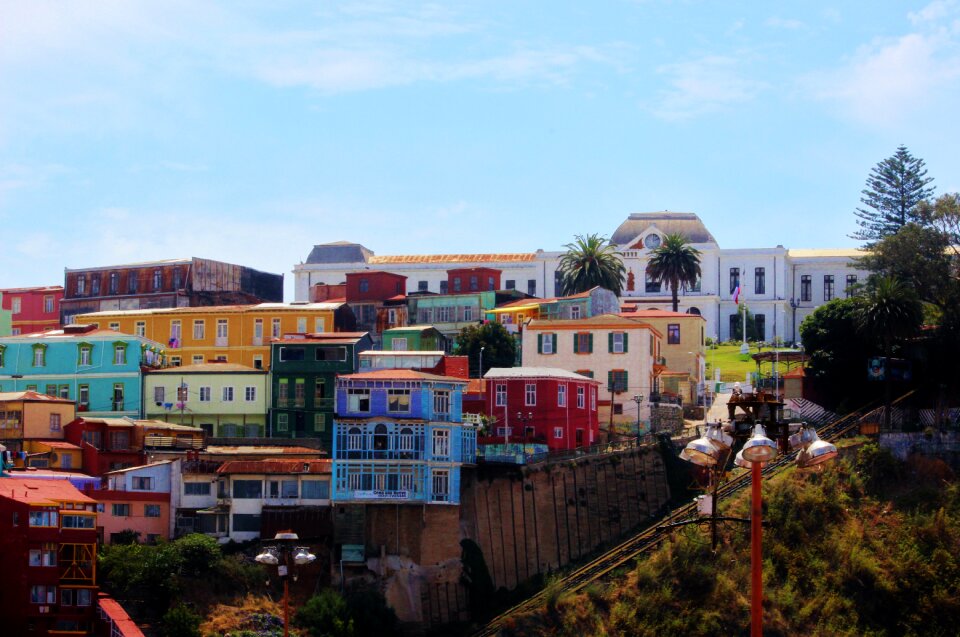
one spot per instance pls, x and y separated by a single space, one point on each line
248 131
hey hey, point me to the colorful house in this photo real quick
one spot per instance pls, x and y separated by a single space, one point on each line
450 313
109 444
683 350
51 454
476 279
6 319
137 499
438 362
35 309
248 490
399 437
541 405
168 283
415 338
101 370
622 353
304 375
231 333
48 533
28 415
226 400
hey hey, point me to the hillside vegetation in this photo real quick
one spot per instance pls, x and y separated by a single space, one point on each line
869 547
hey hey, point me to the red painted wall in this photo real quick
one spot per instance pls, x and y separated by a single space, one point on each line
32 317
464 274
546 414
380 286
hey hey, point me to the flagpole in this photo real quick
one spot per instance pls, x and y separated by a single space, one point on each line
744 348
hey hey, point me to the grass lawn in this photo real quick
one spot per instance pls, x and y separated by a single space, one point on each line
733 366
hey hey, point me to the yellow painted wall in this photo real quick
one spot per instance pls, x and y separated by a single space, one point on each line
240 345
36 419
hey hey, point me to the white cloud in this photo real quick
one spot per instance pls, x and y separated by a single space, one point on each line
702 86
784 23
932 12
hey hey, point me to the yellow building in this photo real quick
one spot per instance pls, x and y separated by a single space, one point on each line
27 415
231 333
683 351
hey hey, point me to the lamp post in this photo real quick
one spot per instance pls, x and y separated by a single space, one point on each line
794 304
480 374
756 453
523 420
280 556
638 398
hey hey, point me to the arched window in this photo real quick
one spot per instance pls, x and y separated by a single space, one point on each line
693 310
354 439
651 286
380 437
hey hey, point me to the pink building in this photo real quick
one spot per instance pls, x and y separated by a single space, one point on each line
34 309
137 499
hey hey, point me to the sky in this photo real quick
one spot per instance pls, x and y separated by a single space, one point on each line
249 131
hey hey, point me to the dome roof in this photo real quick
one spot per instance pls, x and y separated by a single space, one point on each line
339 252
686 223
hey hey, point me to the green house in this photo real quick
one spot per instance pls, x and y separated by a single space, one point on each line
304 370
415 338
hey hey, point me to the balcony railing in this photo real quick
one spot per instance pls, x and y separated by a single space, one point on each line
220 341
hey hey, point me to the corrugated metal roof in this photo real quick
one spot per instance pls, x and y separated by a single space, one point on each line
45 288
276 465
218 309
59 444
140 264
41 492
455 258
534 372
31 396
402 374
121 621
660 314
143 466
207 368
253 449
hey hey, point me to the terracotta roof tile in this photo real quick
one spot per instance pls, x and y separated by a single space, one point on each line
41 492
276 465
454 258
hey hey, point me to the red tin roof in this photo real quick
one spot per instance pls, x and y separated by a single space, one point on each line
41 492
276 465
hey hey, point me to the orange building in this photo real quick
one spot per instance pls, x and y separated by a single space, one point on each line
28 415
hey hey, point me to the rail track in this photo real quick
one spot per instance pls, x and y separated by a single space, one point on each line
648 538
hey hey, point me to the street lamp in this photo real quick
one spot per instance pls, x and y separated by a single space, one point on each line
281 556
638 398
523 420
480 375
794 304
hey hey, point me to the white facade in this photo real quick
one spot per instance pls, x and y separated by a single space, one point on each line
783 274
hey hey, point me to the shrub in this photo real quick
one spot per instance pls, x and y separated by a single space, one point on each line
180 621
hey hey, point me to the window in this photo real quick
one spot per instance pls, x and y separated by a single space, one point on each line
530 394
275 328
457 287
651 284
332 353
63 391
258 362
198 329
398 401
441 443
55 423
618 343
467 313
759 280
176 278
84 596
247 489
221 328
760 322
593 399
157 279
319 422
119 440
441 485
118 396
399 344
43 518
151 510
315 490
734 279
81 284
283 489
292 353
175 333
364 285
83 395
283 392
43 594
532 287
319 324
580 398
827 287
319 391
500 393
358 400
422 286
246 522
851 285
131 283
474 283
114 283
140 328
283 422
673 334
44 556
196 488
558 432
48 304
561 395
299 392
227 396
120 354
443 287
39 355
159 395
142 483
511 284
250 393
617 381
547 343
196 359
444 314
114 326
441 403
51 390
805 288
120 510
95 284
301 324
575 312
205 394
73 521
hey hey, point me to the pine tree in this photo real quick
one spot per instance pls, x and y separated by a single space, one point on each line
894 188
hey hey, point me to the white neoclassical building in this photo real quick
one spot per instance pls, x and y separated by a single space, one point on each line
780 286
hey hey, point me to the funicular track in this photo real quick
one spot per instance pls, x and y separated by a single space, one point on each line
648 538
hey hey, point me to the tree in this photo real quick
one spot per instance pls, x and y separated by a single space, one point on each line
590 262
944 214
889 311
917 256
675 262
894 188
837 354
499 347
326 615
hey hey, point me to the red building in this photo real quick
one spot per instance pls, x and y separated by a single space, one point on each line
33 309
472 280
541 405
378 300
48 535
107 444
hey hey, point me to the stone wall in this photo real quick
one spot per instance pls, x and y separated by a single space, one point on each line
939 444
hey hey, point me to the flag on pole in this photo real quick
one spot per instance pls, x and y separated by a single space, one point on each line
736 294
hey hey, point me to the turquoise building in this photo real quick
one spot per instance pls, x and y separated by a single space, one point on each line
101 370
450 313
6 319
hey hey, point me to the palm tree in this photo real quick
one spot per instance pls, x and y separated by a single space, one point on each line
675 262
591 261
889 311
